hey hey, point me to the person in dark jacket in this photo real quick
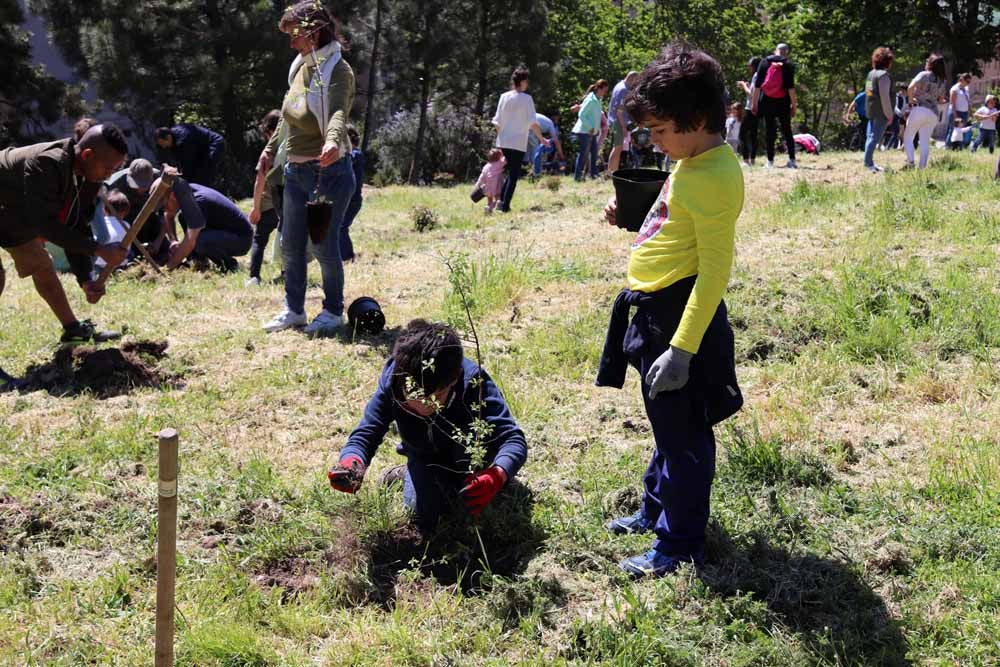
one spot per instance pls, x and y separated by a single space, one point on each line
774 98
354 207
197 151
439 401
49 192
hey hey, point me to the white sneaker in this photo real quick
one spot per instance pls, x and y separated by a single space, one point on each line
791 165
286 319
324 324
252 282
746 165
769 164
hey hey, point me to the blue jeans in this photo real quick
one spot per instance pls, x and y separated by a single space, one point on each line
540 151
431 492
987 137
584 155
336 182
876 128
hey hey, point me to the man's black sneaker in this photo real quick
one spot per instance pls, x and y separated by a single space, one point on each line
85 332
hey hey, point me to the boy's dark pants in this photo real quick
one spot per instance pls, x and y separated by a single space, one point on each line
431 492
262 232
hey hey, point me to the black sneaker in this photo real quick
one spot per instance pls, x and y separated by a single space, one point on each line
7 382
85 332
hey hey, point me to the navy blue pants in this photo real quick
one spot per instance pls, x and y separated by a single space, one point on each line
346 245
431 491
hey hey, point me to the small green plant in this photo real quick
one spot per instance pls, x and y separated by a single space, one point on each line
424 219
553 183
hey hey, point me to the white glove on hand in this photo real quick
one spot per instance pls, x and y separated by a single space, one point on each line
669 372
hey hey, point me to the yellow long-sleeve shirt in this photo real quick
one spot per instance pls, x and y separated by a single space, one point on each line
689 231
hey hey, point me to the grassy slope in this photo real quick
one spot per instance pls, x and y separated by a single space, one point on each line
855 509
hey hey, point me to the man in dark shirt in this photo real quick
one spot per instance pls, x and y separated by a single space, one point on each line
197 151
135 182
214 227
48 192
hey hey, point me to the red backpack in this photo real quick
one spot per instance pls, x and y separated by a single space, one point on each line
774 81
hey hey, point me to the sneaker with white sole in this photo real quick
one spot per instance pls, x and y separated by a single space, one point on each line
769 164
791 164
252 282
324 324
286 319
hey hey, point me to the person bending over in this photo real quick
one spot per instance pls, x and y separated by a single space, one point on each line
680 339
437 398
214 227
49 191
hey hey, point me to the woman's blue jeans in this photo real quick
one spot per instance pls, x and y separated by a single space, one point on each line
583 156
876 128
336 183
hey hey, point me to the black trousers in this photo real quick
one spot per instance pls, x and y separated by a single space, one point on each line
748 136
514 159
777 111
262 232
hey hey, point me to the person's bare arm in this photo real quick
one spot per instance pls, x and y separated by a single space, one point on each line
180 251
258 193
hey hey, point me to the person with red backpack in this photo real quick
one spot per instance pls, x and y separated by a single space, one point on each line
774 99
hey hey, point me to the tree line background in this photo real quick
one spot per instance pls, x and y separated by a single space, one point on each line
429 72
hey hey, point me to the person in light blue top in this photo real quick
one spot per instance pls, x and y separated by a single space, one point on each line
619 119
588 127
538 150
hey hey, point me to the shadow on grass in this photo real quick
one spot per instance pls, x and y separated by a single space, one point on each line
834 611
452 553
383 342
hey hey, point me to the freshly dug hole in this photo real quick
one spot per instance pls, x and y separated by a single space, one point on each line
105 372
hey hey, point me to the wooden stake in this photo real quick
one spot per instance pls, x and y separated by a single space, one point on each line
166 548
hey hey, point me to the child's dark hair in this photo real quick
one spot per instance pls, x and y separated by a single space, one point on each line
518 75
119 203
428 352
684 85
269 123
736 109
494 155
353 135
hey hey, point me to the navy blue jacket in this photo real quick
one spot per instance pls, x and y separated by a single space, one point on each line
429 439
197 152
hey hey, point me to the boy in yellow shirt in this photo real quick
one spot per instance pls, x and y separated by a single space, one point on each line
679 339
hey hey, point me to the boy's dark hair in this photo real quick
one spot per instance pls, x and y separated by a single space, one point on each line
882 57
428 352
518 75
269 123
105 134
353 135
162 133
119 203
684 85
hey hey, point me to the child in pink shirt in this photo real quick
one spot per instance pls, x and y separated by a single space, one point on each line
490 178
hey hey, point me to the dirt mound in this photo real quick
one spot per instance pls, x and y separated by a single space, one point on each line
105 372
294 575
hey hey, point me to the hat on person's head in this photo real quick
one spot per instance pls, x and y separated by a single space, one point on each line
140 174
782 48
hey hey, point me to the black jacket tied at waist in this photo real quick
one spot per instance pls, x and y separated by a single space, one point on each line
647 336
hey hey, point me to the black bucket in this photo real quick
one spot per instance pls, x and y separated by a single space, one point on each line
636 191
365 315
318 214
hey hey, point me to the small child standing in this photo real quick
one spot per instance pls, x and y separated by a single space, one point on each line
680 339
490 178
733 124
957 142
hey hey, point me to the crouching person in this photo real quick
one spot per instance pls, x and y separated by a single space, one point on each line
438 400
679 339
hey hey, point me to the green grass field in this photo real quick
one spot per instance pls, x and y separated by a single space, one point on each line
856 509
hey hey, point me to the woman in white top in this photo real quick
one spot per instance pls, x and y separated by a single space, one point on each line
515 117
958 98
924 92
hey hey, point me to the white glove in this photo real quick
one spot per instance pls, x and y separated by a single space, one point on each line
669 372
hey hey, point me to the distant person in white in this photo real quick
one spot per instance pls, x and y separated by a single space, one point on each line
515 117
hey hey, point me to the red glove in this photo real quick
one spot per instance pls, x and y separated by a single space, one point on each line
480 488
346 476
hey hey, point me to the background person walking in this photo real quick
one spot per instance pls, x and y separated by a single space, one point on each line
926 89
515 117
878 103
588 127
775 100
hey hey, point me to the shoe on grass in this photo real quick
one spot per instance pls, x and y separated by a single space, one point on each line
791 164
252 282
286 319
769 164
631 525
324 324
650 564
86 331
7 382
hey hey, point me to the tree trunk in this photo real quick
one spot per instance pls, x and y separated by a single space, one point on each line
372 80
484 53
425 99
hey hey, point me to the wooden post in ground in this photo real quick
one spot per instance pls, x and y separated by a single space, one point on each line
166 548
